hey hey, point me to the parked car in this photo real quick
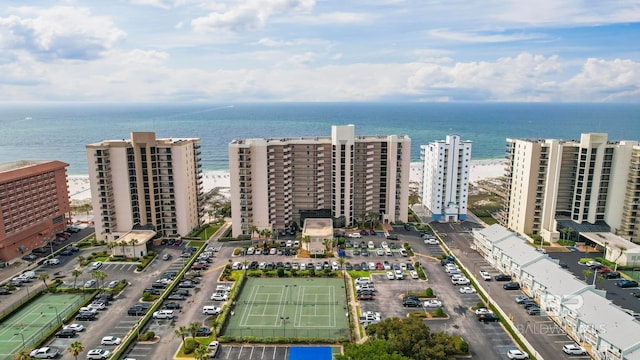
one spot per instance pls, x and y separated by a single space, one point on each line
432 303
573 349
533 310
44 353
136 311
414 274
485 276
365 297
611 275
211 310
467 290
522 298
110 340
411 302
95 265
74 327
517 354
90 283
98 354
163 314
626 283
488 317
502 277
66 333
172 305
203 332
511 286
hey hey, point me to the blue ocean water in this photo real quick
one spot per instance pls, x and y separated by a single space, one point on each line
61 131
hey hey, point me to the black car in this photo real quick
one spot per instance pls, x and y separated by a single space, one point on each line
66 252
186 284
502 277
611 275
105 296
74 248
172 306
158 285
392 237
4 291
203 332
365 297
411 303
511 286
66 333
136 311
364 292
176 297
488 317
183 292
86 317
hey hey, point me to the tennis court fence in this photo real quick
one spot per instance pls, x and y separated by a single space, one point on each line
284 332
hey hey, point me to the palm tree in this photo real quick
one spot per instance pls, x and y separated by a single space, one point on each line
75 349
252 229
80 259
622 249
111 245
100 276
214 323
201 352
123 244
75 273
23 354
43 277
182 331
374 217
587 273
326 243
193 329
133 243
306 239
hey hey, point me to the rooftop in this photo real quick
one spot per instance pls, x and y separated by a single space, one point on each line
556 280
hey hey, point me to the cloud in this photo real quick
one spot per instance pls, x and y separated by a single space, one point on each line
59 33
248 14
610 80
273 43
330 18
478 37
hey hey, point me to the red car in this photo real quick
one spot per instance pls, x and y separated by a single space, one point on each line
379 266
604 270
365 297
372 232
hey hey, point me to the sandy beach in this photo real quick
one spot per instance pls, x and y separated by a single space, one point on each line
79 189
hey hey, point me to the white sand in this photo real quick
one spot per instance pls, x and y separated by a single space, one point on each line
79 189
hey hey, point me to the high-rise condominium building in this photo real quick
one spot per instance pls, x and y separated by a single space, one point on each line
587 185
278 182
145 184
445 178
34 205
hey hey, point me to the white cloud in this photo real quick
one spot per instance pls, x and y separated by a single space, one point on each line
479 37
59 32
611 80
330 18
273 43
249 14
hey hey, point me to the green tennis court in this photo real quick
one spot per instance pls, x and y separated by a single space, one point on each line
302 308
27 326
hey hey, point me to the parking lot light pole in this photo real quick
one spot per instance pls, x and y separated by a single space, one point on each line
22 336
57 314
284 324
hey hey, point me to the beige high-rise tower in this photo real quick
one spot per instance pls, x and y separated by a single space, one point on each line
145 183
278 182
587 185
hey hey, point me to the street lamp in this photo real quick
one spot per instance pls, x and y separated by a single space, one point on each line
22 336
57 315
284 324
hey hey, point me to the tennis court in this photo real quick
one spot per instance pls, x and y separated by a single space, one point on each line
27 326
303 308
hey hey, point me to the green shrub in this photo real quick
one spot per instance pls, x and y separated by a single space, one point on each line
439 312
428 293
280 272
236 251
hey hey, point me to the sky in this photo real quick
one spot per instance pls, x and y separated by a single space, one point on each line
231 51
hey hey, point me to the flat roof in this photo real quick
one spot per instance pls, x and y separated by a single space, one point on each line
556 280
141 235
612 323
613 241
518 250
317 229
495 233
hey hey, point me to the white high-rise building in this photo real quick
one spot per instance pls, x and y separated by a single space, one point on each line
587 185
445 178
278 182
145 184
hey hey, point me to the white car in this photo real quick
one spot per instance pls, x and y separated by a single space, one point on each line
363 280
236 266
467 290
303 266
390 275
258 251
88 310
262 266
431 241
485 275
334 266
432 303
44 353
97 306
289 243
273 251
251 251
403 266
574 349
371 245
226 288
384 245
74 327
365 287
355 235
110 340
219 297
480 311
460 281
414 274
399 274
163 314
380 252
98 354
517 354
211 310
96 265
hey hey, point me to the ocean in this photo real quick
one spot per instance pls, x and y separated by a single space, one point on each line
61 131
